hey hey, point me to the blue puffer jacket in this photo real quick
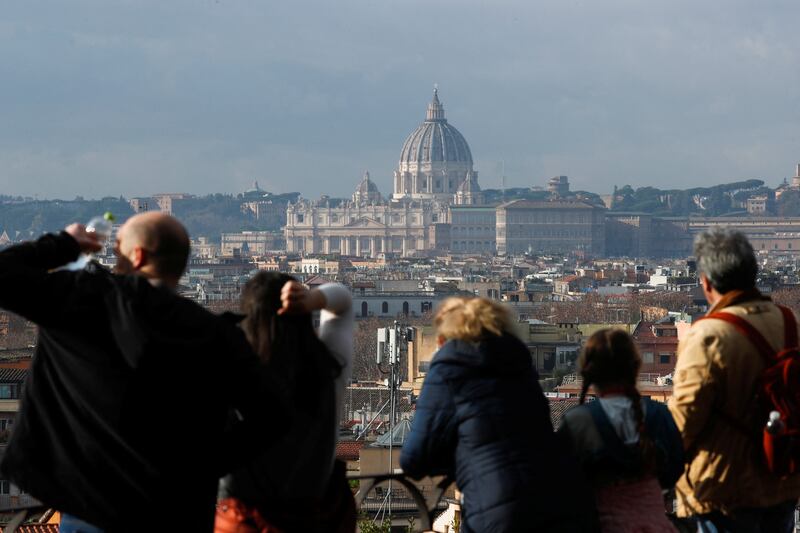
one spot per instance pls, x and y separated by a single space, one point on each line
482 418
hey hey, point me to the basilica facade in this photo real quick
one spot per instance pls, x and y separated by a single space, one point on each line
435 171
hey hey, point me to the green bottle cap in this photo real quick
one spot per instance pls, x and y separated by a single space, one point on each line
108 215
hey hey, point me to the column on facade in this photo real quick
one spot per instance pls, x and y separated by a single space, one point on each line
405 240
385 245
358 246
326 245
345 244
373 247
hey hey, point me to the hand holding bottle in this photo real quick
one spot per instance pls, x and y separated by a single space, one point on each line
90 238
89 242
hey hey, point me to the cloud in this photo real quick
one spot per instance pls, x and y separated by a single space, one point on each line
132 97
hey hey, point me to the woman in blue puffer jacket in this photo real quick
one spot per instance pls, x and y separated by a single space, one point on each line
482 418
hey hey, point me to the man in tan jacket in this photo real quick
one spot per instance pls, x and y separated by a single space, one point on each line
726 487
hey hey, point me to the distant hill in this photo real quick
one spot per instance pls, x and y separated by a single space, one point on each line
706 201
497 196
26 218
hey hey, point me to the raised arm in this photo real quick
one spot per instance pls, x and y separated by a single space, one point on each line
26 285
336 319
337 323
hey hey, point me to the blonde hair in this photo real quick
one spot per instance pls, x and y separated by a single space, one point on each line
471 319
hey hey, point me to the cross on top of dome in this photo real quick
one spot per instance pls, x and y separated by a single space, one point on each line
435 108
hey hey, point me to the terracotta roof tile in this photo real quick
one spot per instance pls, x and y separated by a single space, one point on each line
37 528
348 450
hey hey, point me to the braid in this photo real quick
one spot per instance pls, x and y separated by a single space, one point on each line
646 446
585 388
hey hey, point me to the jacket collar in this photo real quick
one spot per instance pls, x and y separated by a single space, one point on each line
735 297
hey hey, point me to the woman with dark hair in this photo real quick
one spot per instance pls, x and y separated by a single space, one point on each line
628 446
294 485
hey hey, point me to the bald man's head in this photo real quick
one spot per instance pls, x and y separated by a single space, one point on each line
154 245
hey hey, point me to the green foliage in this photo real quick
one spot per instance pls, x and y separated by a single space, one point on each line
365 525
28 219
716 200
203 216
789 204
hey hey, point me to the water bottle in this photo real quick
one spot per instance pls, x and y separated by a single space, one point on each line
775 425
101 226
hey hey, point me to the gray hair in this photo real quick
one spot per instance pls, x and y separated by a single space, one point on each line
727 259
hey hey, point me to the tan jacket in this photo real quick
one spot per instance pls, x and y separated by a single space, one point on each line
717 370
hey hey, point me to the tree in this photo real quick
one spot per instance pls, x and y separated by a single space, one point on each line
789 204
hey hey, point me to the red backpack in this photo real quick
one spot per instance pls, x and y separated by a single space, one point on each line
778 390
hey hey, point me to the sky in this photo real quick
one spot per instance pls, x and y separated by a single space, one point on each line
136 97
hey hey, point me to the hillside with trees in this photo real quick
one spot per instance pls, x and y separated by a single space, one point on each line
208 216
718 200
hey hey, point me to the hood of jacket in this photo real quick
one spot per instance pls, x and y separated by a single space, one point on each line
502 354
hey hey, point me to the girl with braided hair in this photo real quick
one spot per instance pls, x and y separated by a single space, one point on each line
628 446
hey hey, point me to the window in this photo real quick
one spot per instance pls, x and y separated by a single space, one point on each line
423 366
385 307
647 357
300 218
405 308
364 308
5 391
5 487
665 358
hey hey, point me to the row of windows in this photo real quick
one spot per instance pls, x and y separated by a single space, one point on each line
464 245
471 230
548 218
788 246
430 185
424 307
527 232
665 358
300 218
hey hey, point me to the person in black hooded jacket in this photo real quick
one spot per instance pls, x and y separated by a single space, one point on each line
482 418
123 411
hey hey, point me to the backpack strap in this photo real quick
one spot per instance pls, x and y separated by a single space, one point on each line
610 438
789 327
744 327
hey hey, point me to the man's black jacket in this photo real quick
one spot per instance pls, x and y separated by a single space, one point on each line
123 411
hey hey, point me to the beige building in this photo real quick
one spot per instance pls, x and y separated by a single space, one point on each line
434 172
473 229
525 226
251 243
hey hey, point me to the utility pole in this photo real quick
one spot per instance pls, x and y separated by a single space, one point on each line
391 342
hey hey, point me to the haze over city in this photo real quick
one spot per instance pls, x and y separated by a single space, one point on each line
133 98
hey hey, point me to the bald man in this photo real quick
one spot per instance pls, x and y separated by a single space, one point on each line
122 416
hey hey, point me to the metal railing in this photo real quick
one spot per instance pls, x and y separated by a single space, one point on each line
21 513
416 500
